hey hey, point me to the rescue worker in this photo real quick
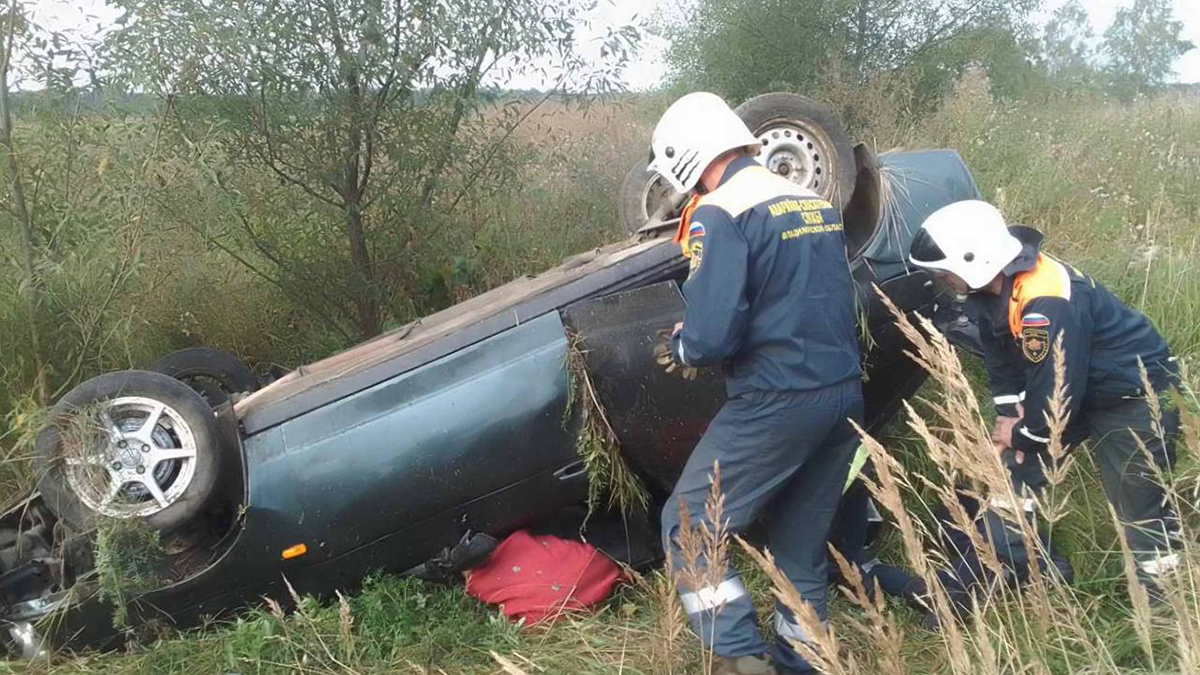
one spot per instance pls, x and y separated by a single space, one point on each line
852 536
770 297
1024 300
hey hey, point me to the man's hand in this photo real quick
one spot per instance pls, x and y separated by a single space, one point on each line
665 356
1000 448
1003 431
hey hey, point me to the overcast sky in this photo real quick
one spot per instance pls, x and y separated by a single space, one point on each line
648 70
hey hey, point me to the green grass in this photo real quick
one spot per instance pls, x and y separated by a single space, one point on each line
396 625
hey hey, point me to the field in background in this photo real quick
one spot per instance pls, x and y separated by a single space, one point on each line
1113 186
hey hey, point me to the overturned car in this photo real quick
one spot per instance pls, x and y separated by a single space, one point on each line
381 456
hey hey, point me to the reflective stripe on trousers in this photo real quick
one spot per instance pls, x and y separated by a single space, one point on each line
713 597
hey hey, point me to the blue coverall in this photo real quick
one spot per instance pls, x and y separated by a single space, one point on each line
1103 341
770 297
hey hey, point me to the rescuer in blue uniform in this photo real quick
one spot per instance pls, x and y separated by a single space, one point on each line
770 298
1024 300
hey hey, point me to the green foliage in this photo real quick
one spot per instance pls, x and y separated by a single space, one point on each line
741 48
1142 44
609 474
913 52
129 560
334 135
75 197
1068 55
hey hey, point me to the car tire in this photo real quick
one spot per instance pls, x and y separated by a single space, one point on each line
90 466
214 374
642 194
803 141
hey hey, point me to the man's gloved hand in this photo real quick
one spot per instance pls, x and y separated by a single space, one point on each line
665 357
1002 432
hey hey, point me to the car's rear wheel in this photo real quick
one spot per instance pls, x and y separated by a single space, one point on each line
129 444
645 194
804 142
216 375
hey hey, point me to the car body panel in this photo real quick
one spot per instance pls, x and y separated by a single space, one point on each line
469 424
336 493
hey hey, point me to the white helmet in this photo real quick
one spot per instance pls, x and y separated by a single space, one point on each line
969 239
693 132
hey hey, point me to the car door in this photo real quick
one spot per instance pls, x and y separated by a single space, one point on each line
478 440
657 416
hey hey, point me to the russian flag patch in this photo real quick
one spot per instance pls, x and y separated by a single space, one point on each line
696 230
1035 320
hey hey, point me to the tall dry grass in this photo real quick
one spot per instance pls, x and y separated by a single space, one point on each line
1042 626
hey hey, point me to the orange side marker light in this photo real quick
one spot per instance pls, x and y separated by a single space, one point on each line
294 551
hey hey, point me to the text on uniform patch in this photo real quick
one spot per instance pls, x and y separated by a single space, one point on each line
810 229
793 205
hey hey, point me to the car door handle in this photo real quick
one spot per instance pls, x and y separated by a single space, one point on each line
571 471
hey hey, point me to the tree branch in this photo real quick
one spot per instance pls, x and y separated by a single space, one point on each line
496 146
280 285
273 161
939 36
467 88
300 300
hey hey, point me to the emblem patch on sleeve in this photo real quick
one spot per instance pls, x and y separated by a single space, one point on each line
696 251
1035 343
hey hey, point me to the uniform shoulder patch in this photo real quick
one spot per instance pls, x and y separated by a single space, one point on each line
696 230
1035 342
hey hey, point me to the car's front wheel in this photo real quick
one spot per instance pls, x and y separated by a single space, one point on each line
129 444
802 140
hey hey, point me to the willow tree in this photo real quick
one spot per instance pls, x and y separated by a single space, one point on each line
367 114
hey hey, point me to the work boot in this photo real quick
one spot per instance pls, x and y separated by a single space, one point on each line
743 665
